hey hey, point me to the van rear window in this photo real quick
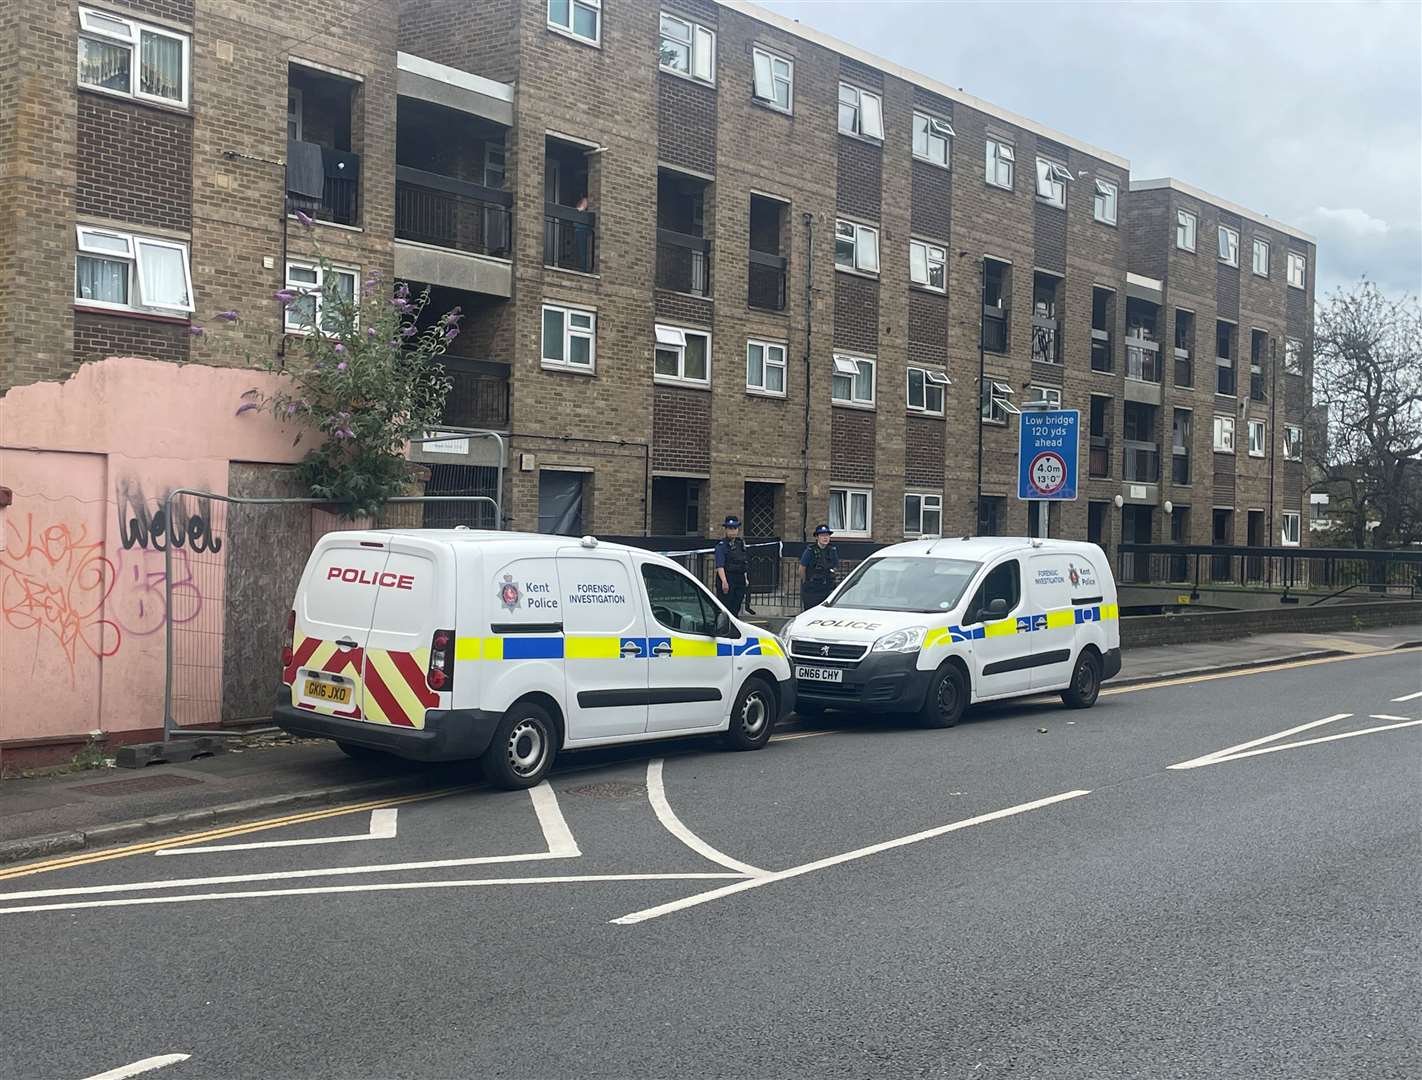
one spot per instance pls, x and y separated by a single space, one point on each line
342 587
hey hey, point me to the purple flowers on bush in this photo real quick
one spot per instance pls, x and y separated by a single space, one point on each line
227 316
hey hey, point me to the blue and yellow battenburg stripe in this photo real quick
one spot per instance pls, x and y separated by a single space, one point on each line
1023 624
600 647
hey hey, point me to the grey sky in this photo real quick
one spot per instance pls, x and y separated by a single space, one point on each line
1310 113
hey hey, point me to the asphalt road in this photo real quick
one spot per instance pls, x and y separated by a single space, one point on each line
805 911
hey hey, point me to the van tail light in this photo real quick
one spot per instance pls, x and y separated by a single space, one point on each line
440 675
287 655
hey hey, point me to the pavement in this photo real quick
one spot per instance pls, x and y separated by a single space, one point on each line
48 814
1208 875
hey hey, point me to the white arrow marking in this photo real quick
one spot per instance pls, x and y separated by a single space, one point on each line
1234 753
146 1065
1409 697
1220 755
382 827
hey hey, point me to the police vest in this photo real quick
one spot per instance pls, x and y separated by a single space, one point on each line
736 558
821 568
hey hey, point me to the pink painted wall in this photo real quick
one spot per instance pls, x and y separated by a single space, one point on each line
81 591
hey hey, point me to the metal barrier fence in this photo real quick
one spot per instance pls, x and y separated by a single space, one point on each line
1327 572
232 567
774 580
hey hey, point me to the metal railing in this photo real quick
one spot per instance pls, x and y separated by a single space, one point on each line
1142 359
449 213
569 238
1046 340
994 329
1324 572
1140 462
767 281
340 201
683 262
1100 350
477 399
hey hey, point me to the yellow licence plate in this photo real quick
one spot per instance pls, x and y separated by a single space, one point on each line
336 692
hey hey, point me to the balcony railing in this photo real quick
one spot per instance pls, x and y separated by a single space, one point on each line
1180 467
683 262
1099 463
1142 358
994 329
569 238
449 213
478 394
1224 376
340 201
1046 340
1140 462
767 281
1184 368
1100 350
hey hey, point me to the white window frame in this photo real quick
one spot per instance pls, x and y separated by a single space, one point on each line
90 26
1258 438
931 382
1107 197
995 402
1260 244
851 368
569 333
1298 270
501 152
934 128
1222 434
1228 253
925 498
764 77
1296 516
594 6
1293 356
316 288
766 364
850 495
1190 222
1000 155
860 235
1052 395
672 339
1052 180
294 116
1293 442
132 257
928 254
868 120
700 42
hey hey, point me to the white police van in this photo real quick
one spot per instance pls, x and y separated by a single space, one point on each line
509 647
932 626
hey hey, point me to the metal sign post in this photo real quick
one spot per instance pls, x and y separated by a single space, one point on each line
1047 449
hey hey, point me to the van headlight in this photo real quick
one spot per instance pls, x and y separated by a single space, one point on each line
909 639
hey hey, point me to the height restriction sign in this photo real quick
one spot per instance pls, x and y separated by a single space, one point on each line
1046 456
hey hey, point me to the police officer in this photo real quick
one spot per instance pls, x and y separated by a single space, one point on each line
732 562
818 564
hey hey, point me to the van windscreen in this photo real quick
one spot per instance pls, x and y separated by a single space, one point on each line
897 583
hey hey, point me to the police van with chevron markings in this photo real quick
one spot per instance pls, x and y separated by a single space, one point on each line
933 626
510 647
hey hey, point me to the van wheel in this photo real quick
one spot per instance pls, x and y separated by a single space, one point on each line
522 749
946 699
356 752
753 717
1085 682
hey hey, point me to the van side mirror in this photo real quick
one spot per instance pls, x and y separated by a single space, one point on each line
996 608
724 627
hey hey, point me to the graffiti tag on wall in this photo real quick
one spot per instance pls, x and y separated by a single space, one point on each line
142 527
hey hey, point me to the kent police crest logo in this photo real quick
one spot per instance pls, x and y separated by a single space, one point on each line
1071 573
509 595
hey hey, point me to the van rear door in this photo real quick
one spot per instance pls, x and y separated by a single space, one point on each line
334 608
415 599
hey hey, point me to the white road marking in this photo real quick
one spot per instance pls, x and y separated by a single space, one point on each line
556 833
382 827
835 860
1408 697
1386 716
1218 755
146 1065
799 735
1313 742
657 796
383 886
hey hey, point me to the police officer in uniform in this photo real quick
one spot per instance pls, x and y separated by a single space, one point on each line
732 563
818 564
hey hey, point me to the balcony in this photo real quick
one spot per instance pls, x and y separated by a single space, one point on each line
569 238
767 281
1180 467
1140 463
1184 368
994 329
683 263
1142 358
478 394
1046 340
340 199
1100 350
448 213
1099 462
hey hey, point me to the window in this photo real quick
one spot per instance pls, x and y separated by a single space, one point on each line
1048 397
853 381
989 512
1000 157
293 114
1261 257
926 390
1229 246
1293 442
1184 347
1052 180
923 515
132 273
928 265
1258 438
997 402
317 287
1290 532
1104 209
1185 223
860 112
850 511
1224 434
580 18
1003 582
678 602
569 338
996 294
1298 269
1103 317
774 80
1224 358
856 247
110 48
765 367
1293 356
682 356
930 139
494 165
1180 437
687 48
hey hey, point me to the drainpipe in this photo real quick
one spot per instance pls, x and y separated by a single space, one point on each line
809 220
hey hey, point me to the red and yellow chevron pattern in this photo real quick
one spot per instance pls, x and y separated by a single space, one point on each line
395 691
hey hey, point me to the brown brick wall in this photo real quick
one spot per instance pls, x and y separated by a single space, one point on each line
927 327
134 163
681 429
180 11
447 32
681 309
852 447
856 312
860 190
686 123
923 451
932 201
97 336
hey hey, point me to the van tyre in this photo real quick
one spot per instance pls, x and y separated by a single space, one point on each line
1085 682
522 749
946 699
753 716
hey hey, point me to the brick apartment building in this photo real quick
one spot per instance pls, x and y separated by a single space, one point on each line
711 261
